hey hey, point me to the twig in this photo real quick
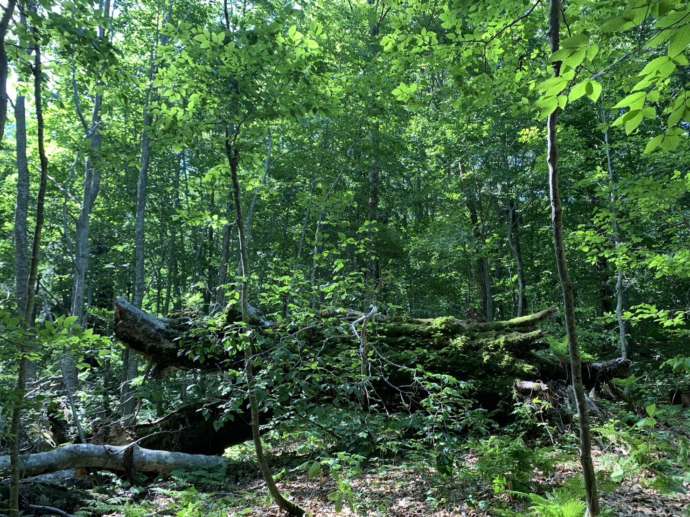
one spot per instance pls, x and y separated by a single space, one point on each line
51 510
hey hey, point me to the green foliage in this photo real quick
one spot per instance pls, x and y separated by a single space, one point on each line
555 505
380 146
508 463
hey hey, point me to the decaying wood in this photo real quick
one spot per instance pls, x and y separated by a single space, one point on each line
531 387
490 355
172 341
124 458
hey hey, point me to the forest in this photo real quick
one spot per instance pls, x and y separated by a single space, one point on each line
344 257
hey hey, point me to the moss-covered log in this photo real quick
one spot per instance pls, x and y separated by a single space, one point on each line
490 355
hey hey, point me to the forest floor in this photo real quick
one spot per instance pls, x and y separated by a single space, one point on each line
644 470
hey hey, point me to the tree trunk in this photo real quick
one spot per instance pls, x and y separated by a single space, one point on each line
91 187
233 156
20 391
624 345
222 279
92 184
373 213
21 257
4 64
131 361
566 283
491 356
264 180
142 181
514 240
483 268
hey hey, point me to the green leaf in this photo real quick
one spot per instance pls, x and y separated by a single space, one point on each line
548 105
644 83
596 90
560 55
634 121
404 92
579 90
615 24
679 42
676 116
553 86
314 470
634 101
666 70
575 42
654 65
670 142
659 39
576 58
592 51
653 144
671 19
648 112
681 60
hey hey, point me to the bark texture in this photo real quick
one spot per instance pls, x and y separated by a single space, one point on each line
21 241
127 458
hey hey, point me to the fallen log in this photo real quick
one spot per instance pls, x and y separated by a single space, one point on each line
187 343
125 458
489 356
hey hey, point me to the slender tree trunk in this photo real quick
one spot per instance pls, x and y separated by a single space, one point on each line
209 254
4 64
20 391
92 184
232 154
373 215
70 377
566 282
222 279
128 399
81 260
623 343
483 268
255 197
21 256
514 240
142 182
